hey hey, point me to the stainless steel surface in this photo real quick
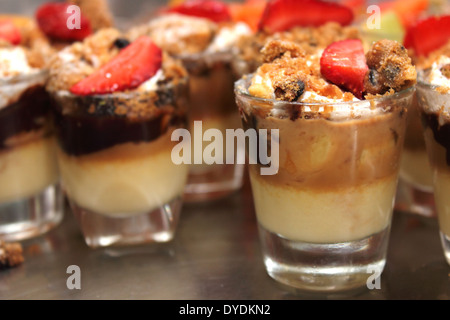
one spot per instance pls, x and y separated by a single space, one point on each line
214 256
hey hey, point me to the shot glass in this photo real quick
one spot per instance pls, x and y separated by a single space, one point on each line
31 201
434 107
324 218
415 191
213 107
117 170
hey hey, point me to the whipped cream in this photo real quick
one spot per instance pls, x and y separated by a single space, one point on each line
228 37
14 62
435 76
16 75
152 83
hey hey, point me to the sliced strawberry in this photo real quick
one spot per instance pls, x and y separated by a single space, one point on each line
134 65
428 35
53 19
344 64
9 32
281 15
213 10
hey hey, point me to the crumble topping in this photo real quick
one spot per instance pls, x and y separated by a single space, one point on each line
312 40
33 42
390 68
436 67
182 35
177 34
289 74
81 59
11 255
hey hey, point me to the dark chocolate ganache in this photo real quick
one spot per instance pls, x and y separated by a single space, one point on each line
28 113
87 124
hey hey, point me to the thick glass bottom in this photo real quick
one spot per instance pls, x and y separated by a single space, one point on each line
158 225
445 240
33 216
321 267
214 182
415 200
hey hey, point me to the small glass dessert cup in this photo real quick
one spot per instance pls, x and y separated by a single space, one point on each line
31 202
117 172
434 107
206 49
415 191
324 218
212 103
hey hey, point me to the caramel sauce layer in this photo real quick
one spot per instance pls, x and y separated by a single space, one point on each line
327 155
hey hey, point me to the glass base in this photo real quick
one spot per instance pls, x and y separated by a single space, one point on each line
446 246
213 183
414 200
31 217
100 230
328 268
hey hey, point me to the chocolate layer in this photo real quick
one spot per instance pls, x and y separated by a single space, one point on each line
26 114
89 124
441 133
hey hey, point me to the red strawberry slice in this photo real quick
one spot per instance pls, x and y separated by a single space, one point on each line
53 19
428 35
9 32
344 64
134 65
210 9
281 15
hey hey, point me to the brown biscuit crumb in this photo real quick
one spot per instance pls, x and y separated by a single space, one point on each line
445 70
277 48
177 34
390 67
289 90
11 255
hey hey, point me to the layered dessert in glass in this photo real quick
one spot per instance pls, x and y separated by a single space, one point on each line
433 93
116 105
338 120
202 35
30 197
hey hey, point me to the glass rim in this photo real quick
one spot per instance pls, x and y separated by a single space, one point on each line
421 83
121 94
241 83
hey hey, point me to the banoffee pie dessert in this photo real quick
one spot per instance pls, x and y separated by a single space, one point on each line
30 201
116 104
432 50
336 124
202 34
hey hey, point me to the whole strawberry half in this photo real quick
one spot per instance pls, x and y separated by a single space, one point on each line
344 64
428 35
213 10
54 19
9 32
134 65
281 15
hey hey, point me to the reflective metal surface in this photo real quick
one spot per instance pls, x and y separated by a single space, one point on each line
214 256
